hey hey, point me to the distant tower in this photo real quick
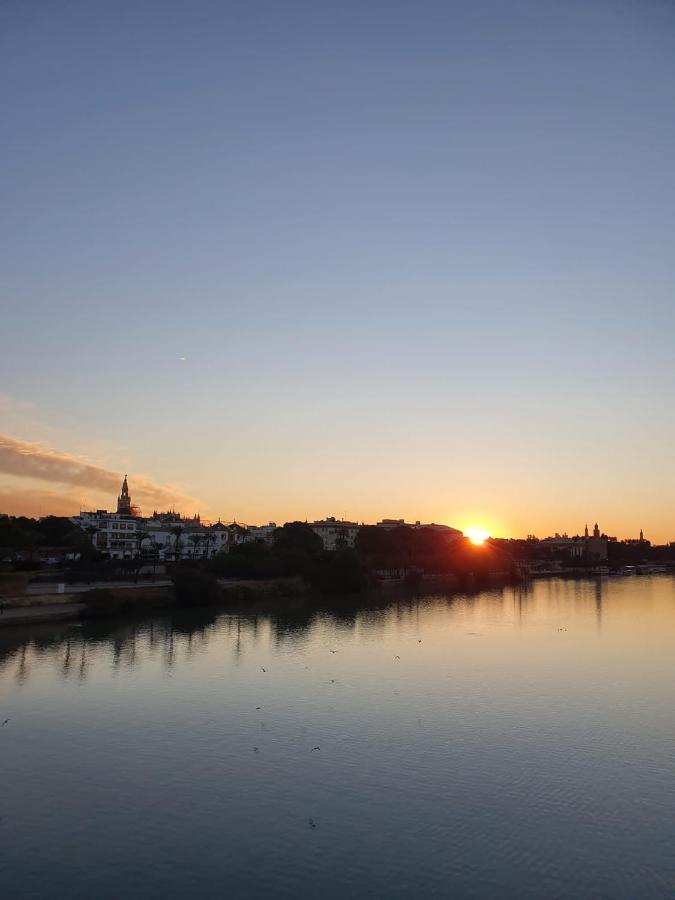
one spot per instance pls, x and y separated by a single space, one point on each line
124 500
596 531
586 530
642 537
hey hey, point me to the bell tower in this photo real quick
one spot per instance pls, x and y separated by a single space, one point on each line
124 500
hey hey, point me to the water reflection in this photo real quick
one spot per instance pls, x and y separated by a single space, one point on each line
491 744
183 635
177 638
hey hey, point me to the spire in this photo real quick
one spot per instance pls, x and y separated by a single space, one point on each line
642 536
586 530
124 500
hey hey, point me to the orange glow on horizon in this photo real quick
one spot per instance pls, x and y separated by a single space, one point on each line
477 535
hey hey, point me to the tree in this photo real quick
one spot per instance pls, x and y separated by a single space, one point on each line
88 544
58 531
375 545
195 540
251 560
196 588
467 559
207 542
140 537
338 571
155 556
296 546
298 537
177 531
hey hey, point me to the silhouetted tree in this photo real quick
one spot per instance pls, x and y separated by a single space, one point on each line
337 572
193 587
298 537
177 531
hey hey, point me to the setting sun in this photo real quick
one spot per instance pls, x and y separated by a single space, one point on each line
477 535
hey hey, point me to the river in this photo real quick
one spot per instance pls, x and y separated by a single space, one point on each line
517 743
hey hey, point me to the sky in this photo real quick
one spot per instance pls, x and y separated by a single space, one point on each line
287 260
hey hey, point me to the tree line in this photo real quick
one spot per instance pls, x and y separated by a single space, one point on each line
33 536
297 550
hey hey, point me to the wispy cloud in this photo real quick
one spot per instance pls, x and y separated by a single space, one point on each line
24 459
36 502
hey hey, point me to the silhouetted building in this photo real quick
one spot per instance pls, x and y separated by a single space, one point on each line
639 541
262 532
450 533
335 533
586 546
124 500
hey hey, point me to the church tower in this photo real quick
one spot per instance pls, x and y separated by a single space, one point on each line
124 500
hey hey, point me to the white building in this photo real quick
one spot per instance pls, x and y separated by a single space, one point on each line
335 533
178 538
262 532
167 536
111 533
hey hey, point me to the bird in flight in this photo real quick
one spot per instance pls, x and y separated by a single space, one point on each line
315 748
263 668
397 657
4 723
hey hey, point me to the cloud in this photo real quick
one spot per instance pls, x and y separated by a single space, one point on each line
36 503
24 459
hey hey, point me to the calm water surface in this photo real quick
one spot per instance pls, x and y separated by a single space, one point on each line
523 745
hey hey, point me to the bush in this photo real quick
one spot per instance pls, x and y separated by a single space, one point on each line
251 560
194 588
339 571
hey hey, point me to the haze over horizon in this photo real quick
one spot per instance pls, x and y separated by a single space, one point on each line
284 261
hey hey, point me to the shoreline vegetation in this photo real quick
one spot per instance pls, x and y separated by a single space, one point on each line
294 570
293 565
194 589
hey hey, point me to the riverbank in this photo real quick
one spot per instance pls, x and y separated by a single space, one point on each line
89 601
257 596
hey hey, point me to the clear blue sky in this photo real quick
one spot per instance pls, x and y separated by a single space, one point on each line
418 257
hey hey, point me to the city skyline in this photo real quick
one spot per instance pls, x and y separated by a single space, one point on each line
376 260
475 530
